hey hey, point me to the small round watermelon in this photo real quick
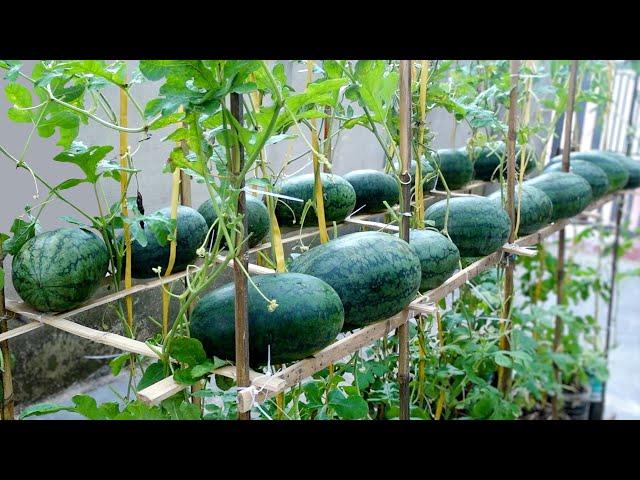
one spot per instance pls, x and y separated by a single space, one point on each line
192 232
58 270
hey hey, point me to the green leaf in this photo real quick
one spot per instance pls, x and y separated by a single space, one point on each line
352 407
69 183
139 411
44 409
206 367
13 67
153 374
87 407
117 363
22 232
19 116
87 158
184 376
115 73
502 360
318 93
187 350
18 95
179 409
166 120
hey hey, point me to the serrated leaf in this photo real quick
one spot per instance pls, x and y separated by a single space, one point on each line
44 409
187 350
18 95
352 407
87 158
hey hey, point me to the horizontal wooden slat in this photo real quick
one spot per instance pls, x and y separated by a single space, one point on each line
106 338
14 332
331 354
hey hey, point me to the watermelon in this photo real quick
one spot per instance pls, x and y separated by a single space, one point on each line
477 225
536 208
617 174
257 218
439 257
338 194
372 189
489 157
591 172
308 317
375 274
456 167
632 166
192 232
58 270
429 174
569 193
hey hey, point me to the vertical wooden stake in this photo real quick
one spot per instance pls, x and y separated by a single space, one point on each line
6 410
566 149
405 159
504 374
240 280
124 181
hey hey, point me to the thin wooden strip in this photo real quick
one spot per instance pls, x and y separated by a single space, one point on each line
105 338
27 327
252 268
369 223
457 280
439 193
159 391
142 287
331 354
165 388
540 235
518 250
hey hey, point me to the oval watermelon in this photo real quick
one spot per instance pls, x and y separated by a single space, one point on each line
456 167
375 274
569 193
372 189
591 172
536 208
477 225
633 168
616 173
439 257
257 218
338 194
192 232
308 317
58 270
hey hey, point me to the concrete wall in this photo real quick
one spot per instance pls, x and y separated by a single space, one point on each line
48 360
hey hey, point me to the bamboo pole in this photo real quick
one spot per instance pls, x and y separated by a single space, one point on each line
405 180
240 279
566 149
504 374
124 181
6 412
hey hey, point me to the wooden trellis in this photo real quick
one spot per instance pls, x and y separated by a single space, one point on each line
256 388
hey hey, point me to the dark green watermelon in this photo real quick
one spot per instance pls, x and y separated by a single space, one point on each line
372 189
617 174
375 274
439 257
257 218
591 172
456 167
535 206
489 157
308 317
632 166
192 232
569 193
477 225
338 194
58 270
